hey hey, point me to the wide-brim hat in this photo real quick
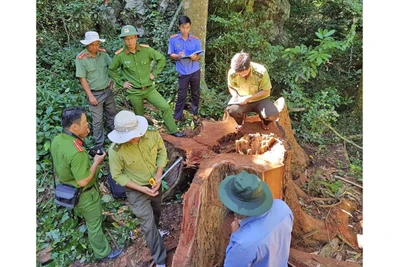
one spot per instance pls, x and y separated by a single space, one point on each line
245 194
91 37
128 30
127 125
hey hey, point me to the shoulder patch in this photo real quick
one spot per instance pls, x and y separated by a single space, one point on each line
144 45
77 145
233 75
81 55
259 74
174 35
102 50
194 36
151 128
116 147
118 51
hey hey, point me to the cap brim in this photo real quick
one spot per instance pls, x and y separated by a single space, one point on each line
254 208
123 137
87 42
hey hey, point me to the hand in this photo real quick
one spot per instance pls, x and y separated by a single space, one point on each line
150 191
93 100
181 54
99 158
151 76
245 100
195 57
127 85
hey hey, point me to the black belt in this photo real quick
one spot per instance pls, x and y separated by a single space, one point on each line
142 88
87 189
100 90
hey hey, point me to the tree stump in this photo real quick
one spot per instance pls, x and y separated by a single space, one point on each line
218 150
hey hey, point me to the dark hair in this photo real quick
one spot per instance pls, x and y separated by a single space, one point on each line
184 20
71 115
240 61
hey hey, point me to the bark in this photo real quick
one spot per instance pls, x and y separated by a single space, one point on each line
214 152
197 11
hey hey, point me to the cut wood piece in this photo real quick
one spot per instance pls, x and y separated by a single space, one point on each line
299 258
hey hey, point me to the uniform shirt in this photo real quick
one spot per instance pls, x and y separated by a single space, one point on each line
93 69
138 162
135 67
71 161
262 241
258 80
185 66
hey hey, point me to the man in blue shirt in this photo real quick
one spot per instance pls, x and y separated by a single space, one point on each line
185 49
261 231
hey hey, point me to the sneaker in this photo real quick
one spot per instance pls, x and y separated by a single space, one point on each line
113 254
160 265
163 232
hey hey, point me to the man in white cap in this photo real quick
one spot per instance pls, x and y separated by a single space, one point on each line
136 155
92 71
261 231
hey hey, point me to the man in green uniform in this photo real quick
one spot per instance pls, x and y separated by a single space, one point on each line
136 76
250 87
72 166
92 71
136 155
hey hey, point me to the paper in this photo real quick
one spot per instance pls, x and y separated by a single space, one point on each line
236 100
194 53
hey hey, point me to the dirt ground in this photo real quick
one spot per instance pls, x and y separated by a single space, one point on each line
326 165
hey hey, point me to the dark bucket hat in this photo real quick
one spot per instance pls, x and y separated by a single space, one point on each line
245 194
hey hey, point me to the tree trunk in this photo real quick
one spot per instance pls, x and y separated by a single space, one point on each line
197 11
217 151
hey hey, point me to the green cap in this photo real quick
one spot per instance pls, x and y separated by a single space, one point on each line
128 30
245 194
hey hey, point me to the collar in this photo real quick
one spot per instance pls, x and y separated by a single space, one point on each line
252 218
190 36
73 135
127 51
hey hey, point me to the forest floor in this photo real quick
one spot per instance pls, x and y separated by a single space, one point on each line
326 182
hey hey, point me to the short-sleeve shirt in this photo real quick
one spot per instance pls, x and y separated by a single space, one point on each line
258 80
138 162
185 66
93 69
135 67
71 161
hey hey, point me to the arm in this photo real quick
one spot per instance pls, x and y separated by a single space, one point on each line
113 72
85 85
98 159
259 95
160 59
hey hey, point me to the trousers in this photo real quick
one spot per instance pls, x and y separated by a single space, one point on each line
105 110
184 81
148 210
156 99
265 109
89 206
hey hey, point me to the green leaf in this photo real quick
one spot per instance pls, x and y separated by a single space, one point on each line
46 145
329 33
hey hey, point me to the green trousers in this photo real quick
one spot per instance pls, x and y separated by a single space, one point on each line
89 206
148 210
156 99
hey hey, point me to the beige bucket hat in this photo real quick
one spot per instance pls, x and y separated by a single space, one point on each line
127 125
91 37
